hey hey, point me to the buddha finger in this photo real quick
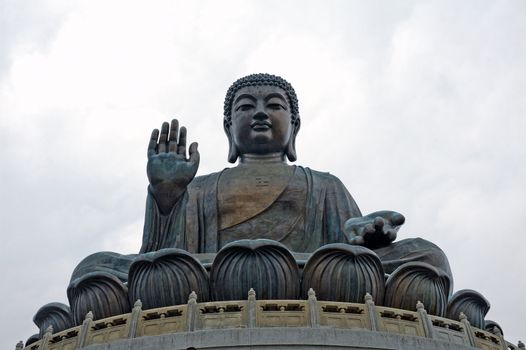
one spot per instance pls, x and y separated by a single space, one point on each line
369 233
391 234
378 222
181 147
152 145
368 230
163 138
172 140
194 153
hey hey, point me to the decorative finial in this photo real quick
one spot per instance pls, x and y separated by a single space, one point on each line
462 317
19 345
192 298
138 304
312 294
251 294
521 345
89 316
368 298
420 305
49 329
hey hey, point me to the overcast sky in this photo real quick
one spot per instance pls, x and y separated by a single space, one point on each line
417 106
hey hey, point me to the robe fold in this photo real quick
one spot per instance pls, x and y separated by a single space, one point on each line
321 206
193 223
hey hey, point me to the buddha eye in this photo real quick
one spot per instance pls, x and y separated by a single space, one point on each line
275 106
244 107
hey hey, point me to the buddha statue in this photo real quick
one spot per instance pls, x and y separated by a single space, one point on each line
262 197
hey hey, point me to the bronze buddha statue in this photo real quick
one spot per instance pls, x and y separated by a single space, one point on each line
263 196
295 208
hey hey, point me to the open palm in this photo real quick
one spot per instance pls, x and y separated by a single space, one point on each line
169 170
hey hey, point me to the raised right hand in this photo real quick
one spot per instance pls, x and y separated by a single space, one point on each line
168 169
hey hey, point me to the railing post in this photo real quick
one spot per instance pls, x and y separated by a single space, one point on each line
314 315
429 331
134 319
251 312
191 312
371 311
498 334
84 330
467 327
46 338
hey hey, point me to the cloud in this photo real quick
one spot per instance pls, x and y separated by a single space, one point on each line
417 107
28 27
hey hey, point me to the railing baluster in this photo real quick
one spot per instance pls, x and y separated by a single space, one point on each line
426 322
84 331
191 315
371 310
314 315
251 312
134 319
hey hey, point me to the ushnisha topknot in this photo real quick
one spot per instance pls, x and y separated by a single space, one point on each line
260 79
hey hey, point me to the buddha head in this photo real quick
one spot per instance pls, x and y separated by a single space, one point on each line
261 117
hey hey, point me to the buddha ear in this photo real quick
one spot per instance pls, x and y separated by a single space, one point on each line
233 152
291 147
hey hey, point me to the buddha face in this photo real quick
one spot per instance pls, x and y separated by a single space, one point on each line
261 121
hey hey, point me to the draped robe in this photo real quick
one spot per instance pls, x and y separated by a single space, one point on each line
320 206
322 203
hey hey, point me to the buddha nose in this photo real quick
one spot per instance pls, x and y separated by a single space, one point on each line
260 114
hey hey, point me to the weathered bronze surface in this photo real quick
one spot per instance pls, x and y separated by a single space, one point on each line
256 264
345 273
56 315
99 292
166 277
416 281
263 196
472 304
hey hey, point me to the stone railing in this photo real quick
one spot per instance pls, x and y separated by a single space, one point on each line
252 313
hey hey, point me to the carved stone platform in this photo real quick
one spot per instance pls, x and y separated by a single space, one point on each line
272 324
280 338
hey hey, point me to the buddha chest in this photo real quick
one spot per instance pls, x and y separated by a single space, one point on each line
265 202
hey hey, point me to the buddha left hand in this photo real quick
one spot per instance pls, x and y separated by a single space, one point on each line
375 230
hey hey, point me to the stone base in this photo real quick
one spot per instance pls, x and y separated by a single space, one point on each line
280 338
